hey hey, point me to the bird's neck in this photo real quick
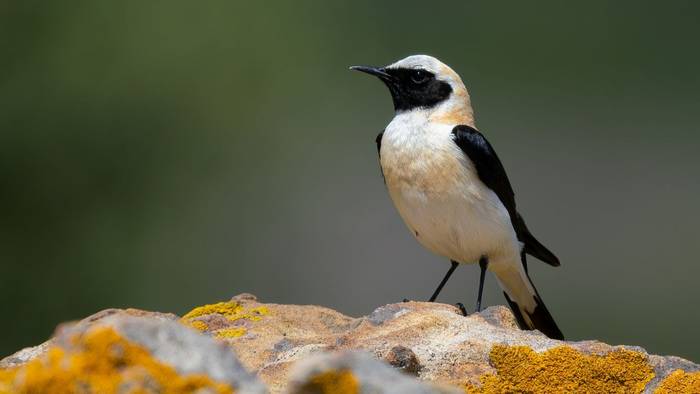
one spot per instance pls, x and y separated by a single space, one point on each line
451 112
457 110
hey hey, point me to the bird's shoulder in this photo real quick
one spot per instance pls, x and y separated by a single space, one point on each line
378 141
469 137
486 162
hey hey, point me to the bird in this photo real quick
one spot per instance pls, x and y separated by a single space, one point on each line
451 189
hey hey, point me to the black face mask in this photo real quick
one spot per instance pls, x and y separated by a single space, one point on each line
411 88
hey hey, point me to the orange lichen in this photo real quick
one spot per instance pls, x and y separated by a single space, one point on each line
230 332
332 382
7 376
564 370
680 382
101 361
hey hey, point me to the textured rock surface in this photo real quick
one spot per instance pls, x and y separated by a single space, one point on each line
425 347
344 372
125 351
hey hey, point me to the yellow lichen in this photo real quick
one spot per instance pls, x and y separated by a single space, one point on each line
256 314
7 376
564 370
101 361
231 310
197 324
332 382
230 332
680 382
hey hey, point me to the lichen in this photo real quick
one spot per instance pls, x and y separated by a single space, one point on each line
564 370
332 382
231 310
230 332
102 361
7 377
256 314
679 382
197 325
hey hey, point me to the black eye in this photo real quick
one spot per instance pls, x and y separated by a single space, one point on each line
419 76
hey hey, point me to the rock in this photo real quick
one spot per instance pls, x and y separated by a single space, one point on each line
353 372
269 338
118 351
403 359
483 352
25 355
299 349
30 353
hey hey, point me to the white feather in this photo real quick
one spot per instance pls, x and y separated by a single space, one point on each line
440 197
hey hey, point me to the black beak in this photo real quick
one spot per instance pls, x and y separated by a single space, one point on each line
378 72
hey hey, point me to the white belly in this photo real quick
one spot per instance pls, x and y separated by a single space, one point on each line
438 194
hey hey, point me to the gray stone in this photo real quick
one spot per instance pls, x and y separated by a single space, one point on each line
188 351
384 313
371 376
25 355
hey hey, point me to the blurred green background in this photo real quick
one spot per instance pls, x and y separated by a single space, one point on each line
162 155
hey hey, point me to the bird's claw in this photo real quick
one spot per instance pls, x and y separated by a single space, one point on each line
461 308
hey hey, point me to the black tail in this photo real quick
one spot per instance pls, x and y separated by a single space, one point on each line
541 319
532 246
520 286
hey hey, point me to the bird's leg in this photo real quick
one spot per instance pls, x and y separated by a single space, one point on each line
444 280
483 264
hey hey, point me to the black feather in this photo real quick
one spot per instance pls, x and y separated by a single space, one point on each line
378 140
541 319
493 175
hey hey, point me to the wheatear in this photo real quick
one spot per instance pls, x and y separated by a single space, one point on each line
451 189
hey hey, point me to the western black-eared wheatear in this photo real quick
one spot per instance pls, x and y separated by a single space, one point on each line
451 189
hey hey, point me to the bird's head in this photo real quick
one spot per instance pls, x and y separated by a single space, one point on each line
423 84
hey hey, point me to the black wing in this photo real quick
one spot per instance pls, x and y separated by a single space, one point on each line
379 152
492 173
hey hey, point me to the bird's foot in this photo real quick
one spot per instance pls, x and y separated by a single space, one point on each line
462 309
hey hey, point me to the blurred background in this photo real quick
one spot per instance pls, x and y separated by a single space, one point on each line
163 155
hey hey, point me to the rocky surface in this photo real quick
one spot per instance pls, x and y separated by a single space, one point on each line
118 351
245 346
